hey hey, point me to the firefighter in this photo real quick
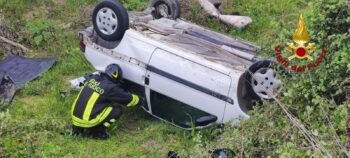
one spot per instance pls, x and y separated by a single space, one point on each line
94 109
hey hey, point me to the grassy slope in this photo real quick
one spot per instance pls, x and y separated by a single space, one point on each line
33 124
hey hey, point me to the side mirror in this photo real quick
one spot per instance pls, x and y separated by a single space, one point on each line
206 120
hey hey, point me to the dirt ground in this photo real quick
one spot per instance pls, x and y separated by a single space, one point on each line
5 48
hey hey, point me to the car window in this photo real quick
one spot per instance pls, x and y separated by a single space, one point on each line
174 111
191 83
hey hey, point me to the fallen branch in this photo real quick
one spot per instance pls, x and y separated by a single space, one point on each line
298 124
14 43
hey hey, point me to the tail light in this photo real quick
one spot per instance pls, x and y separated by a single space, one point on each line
82 44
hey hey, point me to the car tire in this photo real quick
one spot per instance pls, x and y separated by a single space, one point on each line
110 20
165 8
268 81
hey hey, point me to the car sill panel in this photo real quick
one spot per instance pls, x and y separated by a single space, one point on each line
189 84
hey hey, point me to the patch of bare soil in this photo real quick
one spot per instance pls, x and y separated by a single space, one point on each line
41 10
151 145
2 153
6 48
82 19
187 8
60 2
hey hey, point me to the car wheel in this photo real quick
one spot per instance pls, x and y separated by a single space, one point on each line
110 20
261 81
165 8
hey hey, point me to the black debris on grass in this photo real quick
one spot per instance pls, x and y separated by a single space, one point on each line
16 71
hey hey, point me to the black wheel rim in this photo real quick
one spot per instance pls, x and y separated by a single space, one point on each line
162 9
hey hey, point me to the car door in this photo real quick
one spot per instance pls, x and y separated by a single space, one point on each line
184 92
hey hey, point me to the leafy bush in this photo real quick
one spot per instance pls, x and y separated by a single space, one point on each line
309 96
332 27
40 32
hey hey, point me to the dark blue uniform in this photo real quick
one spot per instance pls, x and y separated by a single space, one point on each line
95 104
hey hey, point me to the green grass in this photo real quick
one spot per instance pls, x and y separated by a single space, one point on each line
269 17
33 125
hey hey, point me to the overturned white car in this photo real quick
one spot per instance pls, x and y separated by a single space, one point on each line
189 75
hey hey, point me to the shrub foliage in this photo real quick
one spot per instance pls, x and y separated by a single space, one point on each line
316 98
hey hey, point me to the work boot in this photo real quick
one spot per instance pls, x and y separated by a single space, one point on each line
98 132
100 135
76 131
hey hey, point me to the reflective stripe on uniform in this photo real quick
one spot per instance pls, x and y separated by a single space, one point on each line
106 124
93 122
135 100
90 105
113 120
75 101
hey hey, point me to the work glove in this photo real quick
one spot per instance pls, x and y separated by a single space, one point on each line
136 101
142 102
